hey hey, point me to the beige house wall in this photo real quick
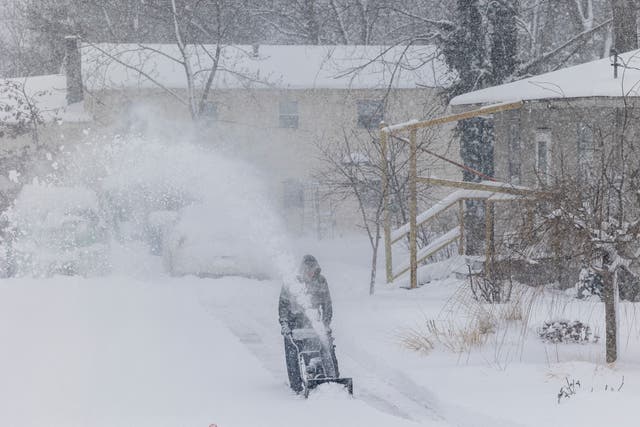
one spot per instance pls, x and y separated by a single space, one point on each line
247 126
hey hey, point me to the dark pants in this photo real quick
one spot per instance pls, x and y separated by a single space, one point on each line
293 369
332 349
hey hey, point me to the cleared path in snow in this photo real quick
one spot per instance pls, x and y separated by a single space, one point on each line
249 309
118 352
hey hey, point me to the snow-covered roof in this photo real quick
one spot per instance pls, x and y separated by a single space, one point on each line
270 66
592 79
46 93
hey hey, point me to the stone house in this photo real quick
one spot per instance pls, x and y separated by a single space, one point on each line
566 117
565 128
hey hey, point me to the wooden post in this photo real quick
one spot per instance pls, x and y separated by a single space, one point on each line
413 207
461 222
488 262
385 201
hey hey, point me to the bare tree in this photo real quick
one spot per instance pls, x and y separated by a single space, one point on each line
191 22
352 174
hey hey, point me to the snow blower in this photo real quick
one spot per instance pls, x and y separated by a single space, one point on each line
315 361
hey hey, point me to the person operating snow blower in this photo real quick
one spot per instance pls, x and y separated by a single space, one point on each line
305 313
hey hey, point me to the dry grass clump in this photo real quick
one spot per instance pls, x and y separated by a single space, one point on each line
416 340
451 335
465 323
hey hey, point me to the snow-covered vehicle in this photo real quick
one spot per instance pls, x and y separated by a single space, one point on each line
198 244
57 230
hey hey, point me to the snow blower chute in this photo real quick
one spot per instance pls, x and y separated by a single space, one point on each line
315 361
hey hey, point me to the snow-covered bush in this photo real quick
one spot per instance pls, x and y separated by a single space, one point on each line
56 230
589 284
564 331
628 285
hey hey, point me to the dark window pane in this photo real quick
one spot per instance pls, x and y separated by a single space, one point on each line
370 113
289 114
585 150
210 110
290 122
514 154
292 194
542 157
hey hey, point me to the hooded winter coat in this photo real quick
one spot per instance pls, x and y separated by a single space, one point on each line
291 313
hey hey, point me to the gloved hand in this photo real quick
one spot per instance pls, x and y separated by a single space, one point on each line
286 330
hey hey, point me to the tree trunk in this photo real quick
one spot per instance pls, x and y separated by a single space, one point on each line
611 323
625 30
374 265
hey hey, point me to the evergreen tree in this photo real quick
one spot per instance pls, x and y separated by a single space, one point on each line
480 59
502 17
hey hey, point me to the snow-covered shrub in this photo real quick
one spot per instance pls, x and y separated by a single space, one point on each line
19 112
56 230
628 285
589 284
564 331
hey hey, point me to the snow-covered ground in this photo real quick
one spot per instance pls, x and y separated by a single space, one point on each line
121 352
161 351
130 345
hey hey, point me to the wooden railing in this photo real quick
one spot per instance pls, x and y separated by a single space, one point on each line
489 191
412 127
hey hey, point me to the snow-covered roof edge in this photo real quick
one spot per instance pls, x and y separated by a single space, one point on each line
267 66
591 79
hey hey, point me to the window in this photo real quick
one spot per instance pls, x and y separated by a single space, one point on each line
514 154
209 111
543 146
370 113
585 150
292 194
289 114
